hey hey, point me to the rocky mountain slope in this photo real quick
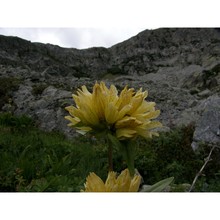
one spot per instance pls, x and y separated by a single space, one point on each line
179 67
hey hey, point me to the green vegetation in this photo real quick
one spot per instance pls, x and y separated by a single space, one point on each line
7 85
35 161
32 160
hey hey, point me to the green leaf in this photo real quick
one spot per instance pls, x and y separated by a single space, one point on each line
114 141
159 186
128 152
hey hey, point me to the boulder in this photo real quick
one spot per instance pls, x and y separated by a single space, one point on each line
207 128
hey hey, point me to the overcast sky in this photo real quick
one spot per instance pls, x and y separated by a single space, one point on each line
88 23
79 38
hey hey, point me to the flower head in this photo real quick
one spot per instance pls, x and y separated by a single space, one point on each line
126 115
122 183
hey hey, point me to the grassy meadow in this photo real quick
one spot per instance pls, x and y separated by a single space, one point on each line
35 161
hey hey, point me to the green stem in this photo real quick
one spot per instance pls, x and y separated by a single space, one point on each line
110 159
126 148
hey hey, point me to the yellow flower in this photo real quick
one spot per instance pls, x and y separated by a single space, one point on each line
122 183
125 115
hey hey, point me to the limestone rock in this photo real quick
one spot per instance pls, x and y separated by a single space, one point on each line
207 128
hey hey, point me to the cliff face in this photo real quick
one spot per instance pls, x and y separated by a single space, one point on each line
179 67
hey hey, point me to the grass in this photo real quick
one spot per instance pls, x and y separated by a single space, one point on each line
32 160
7 85
35 161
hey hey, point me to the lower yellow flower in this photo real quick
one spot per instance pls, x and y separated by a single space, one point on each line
122 183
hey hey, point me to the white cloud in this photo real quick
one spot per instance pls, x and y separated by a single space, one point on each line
80 38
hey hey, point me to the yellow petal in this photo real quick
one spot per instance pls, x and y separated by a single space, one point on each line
94 183
98 100
71 110
83 130
113 92
129 122
123 111
124 97
74 121
153 124
145 129
111 114
145 107
75 113
123 181
143 94
135 103
151 115
85 90
135 183
110 182
125 133
89 116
